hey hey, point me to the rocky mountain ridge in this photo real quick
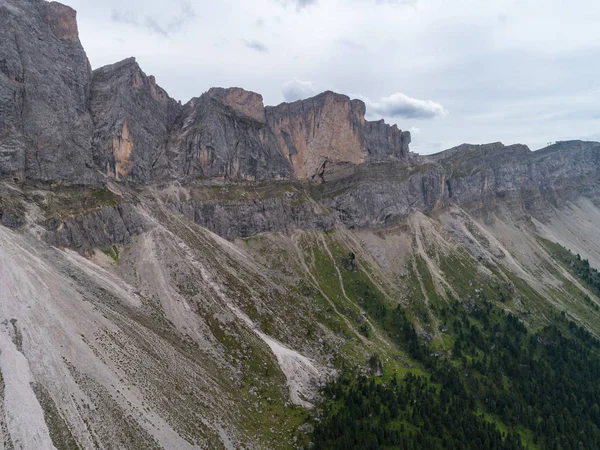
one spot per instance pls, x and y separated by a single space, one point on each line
188 276
64 123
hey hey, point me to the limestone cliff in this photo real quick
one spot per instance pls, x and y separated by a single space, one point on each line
211 139
482 178
320 133
59 122
45 123
132 119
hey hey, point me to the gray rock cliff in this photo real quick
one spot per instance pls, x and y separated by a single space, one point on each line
218 136
62 124
328 130
132 119
59 122
45 123
482 178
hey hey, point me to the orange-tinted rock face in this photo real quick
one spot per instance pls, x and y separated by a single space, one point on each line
229 133
133 115
62 20
122 151
245 102
322 131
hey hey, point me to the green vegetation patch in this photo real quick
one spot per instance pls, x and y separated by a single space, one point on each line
113 252
407 413
65 201
576 265
502 386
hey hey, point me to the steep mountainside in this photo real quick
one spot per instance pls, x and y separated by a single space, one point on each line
188 276
45 123
63 123
132 119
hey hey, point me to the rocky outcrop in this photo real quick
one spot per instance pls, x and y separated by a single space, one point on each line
212 139
62 21
142 134
45 124
382 193
320 131
107 226
228 133
245 215
318 134
532 182
383 141
12 207
132 118
482 178
61 123
241 101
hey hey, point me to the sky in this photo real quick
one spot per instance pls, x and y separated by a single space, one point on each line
450 71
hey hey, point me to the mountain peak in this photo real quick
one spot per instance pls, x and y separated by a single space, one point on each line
138 132
130 62
240 100
62 20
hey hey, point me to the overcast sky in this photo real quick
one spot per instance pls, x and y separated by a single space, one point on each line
451 71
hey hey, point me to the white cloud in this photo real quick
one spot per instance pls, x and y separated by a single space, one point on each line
121 16
300 4
255 45
400 105
297 89
415 130
163 27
